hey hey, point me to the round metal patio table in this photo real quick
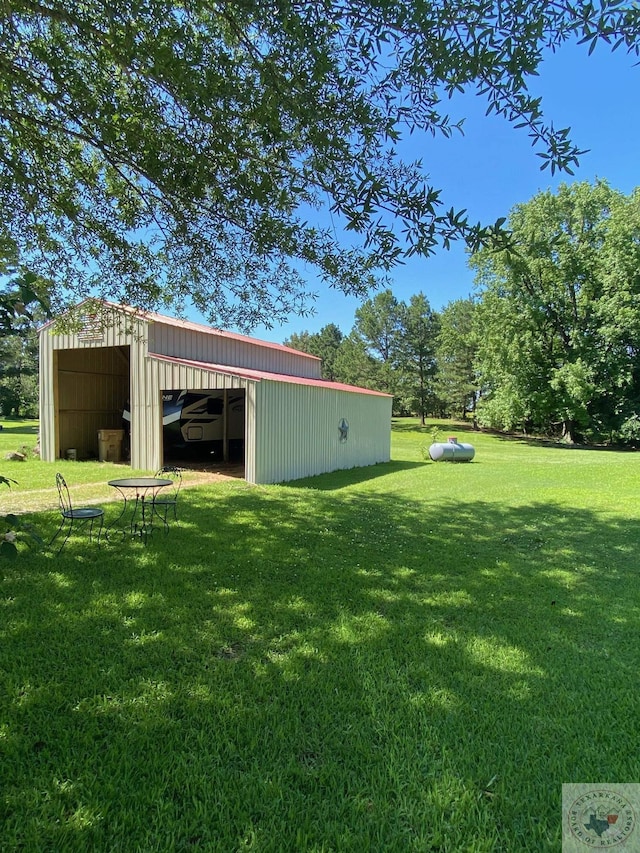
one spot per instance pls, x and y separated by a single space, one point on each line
139 492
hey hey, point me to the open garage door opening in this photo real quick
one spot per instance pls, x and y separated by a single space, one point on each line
203 427
90 389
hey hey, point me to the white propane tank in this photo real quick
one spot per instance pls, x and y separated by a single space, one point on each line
451 451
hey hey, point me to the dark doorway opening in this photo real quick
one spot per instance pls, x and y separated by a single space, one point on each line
204 427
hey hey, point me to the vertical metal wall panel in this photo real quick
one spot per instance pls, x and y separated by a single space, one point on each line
250 469
146 415
46 403
167 339
298 435
117 331
181 376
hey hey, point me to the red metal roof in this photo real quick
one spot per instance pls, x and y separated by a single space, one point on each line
257 375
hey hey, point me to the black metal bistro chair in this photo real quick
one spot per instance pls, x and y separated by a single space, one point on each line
71 514
166 500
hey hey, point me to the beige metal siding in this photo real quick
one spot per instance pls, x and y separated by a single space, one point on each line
250 441
84 382
297 431
146 415
117 330
146 412
47 396
166 339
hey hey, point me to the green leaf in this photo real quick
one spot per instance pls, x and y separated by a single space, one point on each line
8 550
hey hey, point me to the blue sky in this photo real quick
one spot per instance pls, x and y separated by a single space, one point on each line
493 167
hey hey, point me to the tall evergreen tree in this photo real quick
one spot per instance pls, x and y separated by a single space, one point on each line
324 344
380 322
354 365
416 355
457 380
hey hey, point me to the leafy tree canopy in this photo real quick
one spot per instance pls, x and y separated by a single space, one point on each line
23 300
152 152
23 305
560 315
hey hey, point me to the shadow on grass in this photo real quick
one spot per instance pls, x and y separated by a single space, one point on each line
556 444
443 427
452 428
22 429
291 669
352 476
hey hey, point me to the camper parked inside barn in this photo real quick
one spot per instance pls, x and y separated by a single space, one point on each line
193 422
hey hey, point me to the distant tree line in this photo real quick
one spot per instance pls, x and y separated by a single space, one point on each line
549 344
399 348
22 308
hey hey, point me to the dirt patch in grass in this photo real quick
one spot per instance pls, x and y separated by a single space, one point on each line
196 474
98 492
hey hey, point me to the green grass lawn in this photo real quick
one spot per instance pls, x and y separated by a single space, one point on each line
408 657
34 481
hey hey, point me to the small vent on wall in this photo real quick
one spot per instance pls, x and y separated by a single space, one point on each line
91 328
